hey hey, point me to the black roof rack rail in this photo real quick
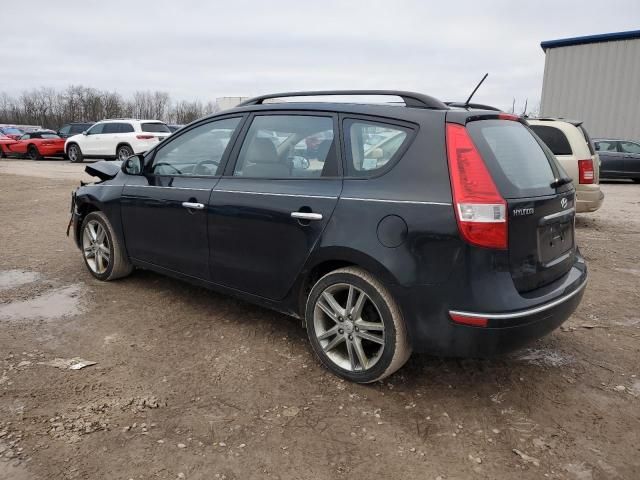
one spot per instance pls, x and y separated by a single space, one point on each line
477 106
410 99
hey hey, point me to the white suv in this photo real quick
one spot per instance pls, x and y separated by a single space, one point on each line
571 145
118 139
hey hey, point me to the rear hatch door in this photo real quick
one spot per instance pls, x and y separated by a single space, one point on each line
541 212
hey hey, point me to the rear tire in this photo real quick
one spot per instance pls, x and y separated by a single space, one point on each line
104 256
33 153
362 339
74 153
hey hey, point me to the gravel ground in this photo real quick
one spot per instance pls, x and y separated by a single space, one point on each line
191 384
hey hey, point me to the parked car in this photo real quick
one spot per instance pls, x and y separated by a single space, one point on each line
119 138
174 128
34 145
71 129
457 241
570 143
11 132
619 158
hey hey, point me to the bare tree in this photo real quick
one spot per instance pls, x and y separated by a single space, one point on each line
51 108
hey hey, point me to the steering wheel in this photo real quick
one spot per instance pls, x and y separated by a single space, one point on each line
165 164
206 171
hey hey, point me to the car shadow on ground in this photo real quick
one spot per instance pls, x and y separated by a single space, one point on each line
476 376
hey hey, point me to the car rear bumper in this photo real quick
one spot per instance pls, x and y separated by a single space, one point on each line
427 312
589 200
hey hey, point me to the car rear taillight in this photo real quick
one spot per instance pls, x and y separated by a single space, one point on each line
144 137
585 171
480 209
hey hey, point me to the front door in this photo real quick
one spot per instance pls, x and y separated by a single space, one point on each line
269 210
164 211
631 152
91 143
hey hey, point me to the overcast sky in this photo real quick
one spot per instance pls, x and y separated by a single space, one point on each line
206 49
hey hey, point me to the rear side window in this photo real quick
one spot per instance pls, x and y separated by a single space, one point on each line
154 128
607 146
49 135
371 146
554 138
111 128
288 146
518 163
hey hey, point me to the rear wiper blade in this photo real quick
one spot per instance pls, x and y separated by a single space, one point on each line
558 182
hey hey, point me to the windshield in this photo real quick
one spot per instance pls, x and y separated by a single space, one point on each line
12 131
155 128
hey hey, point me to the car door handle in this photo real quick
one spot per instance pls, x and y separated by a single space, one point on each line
193 206
306 215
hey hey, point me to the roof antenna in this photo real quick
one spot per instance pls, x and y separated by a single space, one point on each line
466 104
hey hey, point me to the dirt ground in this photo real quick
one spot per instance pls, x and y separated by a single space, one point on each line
191 384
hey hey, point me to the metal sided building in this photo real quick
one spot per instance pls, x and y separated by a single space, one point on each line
595 79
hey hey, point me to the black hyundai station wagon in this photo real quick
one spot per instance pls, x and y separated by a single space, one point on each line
386 228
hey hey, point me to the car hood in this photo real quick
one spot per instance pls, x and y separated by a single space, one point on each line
74 137
105 169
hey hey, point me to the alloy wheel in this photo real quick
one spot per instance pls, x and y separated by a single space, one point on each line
349 327
95 245
73 153
124 153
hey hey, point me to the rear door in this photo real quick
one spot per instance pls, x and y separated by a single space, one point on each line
164 212
269 210
631 152
540 217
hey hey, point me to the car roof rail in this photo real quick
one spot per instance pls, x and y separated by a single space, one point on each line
410 99
476 106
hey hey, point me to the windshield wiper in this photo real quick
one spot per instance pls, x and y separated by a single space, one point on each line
558 182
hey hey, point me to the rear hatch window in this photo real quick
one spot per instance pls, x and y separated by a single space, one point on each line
554 138
155 128
518 163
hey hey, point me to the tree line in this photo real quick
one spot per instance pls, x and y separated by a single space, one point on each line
51 108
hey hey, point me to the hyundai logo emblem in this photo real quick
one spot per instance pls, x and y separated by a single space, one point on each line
564 202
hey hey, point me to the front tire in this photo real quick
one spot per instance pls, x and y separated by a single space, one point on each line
104 256
75 154
355 327
123 152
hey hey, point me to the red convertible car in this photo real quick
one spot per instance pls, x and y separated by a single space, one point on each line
33 145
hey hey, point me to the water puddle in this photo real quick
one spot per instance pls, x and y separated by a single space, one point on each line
544 357
57 303
16 278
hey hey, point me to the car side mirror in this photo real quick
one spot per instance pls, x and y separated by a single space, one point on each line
85 132
133 165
